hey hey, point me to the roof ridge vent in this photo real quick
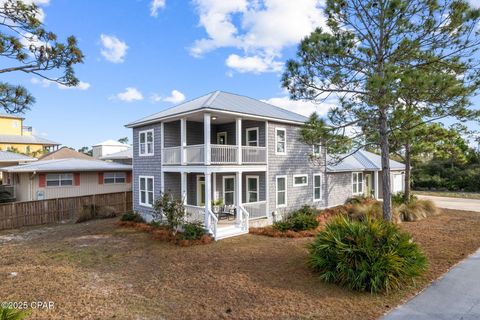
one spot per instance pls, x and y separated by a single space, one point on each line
212 98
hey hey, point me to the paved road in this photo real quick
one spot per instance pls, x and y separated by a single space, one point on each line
455 296
455 203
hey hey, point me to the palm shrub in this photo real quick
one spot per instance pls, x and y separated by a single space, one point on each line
12 314
370 255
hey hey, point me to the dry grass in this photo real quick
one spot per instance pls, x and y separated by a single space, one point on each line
95 270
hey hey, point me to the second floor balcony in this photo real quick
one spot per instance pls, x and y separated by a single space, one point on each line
216 140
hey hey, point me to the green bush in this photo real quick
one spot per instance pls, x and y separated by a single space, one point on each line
298 221
12 314
308 210
371 255
399 198
132 216
193 231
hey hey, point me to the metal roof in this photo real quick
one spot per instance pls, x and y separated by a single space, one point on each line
10 138
362 161
125 154
111 143
7 156
225 101
68 165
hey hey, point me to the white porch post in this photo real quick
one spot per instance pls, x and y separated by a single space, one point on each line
376 184
238 139
207 137
183 141
162 142
214 185
208 189
184 187
267 176
238 193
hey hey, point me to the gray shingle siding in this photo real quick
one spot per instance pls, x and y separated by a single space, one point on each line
194 133
172 133
339 188
295 162
146 166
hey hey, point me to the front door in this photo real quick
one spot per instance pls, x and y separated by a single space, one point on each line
229 190
201 191
368 185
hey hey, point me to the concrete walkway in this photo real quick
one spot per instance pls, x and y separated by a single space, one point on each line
455 203
454 296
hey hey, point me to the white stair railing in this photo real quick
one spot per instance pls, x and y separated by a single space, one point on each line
244 218
256 209
212 223
195 213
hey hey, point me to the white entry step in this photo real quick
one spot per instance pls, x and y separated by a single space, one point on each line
229 231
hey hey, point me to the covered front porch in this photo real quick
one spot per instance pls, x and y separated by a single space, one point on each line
224 201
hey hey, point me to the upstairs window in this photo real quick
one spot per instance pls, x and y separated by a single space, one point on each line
146 143
280 141
252 137
59 180
357 183
114 177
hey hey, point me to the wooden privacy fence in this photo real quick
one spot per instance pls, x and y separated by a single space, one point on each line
30 213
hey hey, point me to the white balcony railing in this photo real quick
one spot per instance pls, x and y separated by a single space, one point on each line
172 155
254 154
219 154
223 154
195 213
256 209
195 153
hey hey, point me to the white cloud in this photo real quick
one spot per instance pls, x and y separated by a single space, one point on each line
264 29
474 3
155 98
130 94
156 5
41 82
80 86
175 97
114 49
305 108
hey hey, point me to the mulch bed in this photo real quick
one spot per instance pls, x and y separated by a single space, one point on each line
163 234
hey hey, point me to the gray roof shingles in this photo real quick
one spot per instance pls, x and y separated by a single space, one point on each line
224 101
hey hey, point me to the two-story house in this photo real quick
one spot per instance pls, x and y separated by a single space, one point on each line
15 136
245 152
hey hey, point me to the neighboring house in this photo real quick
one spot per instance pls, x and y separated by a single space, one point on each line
124 157
65 153
15 136
8 158
108 147
244 151
62 178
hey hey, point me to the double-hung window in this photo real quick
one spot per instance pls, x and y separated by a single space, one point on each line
281 191
280 141
146 142
114 177
317 187
252 137
252 188
146 191
59 179
357 182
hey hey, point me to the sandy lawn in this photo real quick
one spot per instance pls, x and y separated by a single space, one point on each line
96 270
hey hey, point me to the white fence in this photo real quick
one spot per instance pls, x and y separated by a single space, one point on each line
256 209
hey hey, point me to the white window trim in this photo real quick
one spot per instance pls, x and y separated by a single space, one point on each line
60 180
246 138
258 187
146 154
146 190
115 177
301 184
197 187
219 134
363 183
276 192
234 187
276 141
321 194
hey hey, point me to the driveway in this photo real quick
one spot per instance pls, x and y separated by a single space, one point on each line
455 203
455 296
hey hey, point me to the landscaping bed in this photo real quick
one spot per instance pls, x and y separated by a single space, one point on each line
96 270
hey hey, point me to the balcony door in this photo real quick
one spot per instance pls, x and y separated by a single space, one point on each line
222 137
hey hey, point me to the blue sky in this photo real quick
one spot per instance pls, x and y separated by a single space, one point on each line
152 48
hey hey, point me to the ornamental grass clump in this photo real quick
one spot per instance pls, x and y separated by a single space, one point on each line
370 255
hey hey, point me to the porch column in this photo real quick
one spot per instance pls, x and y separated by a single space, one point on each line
238 193
238 137
183 141
207 137
162 142
208 189
214 185
376 184
184 187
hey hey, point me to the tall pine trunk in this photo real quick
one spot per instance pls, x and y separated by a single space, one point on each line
408 171
385 155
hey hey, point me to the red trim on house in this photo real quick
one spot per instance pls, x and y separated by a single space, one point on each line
100 178
42 180
76 178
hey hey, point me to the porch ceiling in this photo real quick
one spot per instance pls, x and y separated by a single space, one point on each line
220 118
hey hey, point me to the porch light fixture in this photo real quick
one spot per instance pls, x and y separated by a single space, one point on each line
214 118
